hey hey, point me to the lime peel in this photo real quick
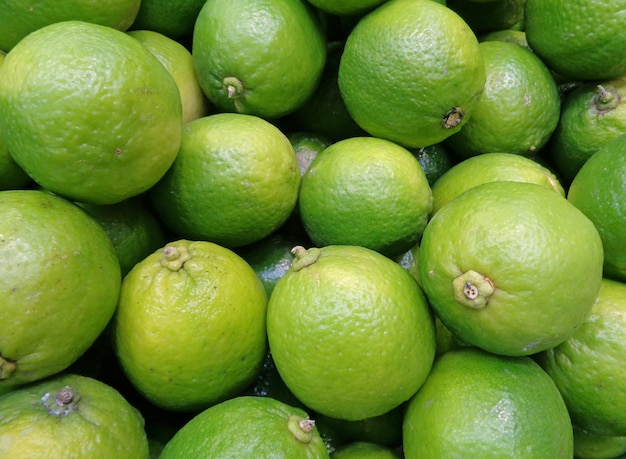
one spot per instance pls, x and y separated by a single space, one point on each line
301 428
472 289
174 257
7 367
304 257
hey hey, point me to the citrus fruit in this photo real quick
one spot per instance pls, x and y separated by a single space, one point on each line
511 267
235 181
598 191
190 325
411 72
70 416
509 35
478 404
348 317
19 19
132 227
592 115
88 112
174 19
519 108
248 426
589 445
350 7
408 261
260 58
365 191
179 63
364 450
489 16
59 280
491 167
307 146
580 38
587 368
434 159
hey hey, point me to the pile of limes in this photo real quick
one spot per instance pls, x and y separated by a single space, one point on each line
313 229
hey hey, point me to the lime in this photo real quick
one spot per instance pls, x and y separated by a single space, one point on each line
59 280
19 19
598 191
307 146
174 19
587 368
511 267
578 38
70 416
88 112
477 404
179 63
262 58
491 167
411 72
517 37
489 16
190 325
365 191
346 7
519 108
589 445
248 426
434 159
408 261
348 317
592 115
235 181
364 450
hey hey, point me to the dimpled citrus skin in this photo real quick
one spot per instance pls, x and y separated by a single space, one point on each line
103 424
189 328
368 192
406 66
275 49
541 256
59 280
587 368
578 38
477 404
88 112
351 334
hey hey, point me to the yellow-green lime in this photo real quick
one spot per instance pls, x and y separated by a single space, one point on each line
365 191
59 280
411 72
248 426
365 450
592 115
190 325
260 58
88 112
132 227
348 317
598 191
478 404
589 445
579 39
70 416
174 19
491 167
19 19
235 181
519 108
587 368
511 267
179 63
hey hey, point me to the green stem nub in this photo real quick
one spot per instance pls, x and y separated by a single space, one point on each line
7 367
64 402
301 428
472 289
174 257
233 86
606 99
304 257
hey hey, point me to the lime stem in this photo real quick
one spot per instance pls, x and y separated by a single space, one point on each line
301 428
174 257
606 99
304 257
233 86
7 367
472 289
453 117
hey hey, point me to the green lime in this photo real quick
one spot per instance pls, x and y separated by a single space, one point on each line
511 267
348 317
477 404
434 159
88 112
517 37
59 280
307 146
365 450
260 58
411 72
70 416
172 19
189 328
589 445
489 16
248 426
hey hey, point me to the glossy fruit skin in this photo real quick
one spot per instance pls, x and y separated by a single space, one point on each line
477 404
535 259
